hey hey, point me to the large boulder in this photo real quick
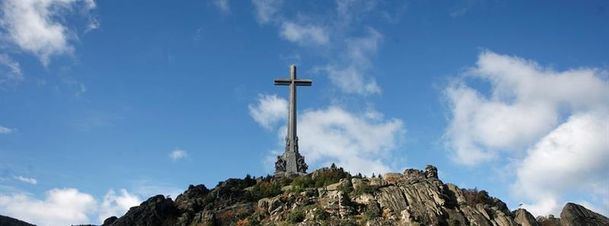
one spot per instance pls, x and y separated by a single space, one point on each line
524 218
193 199
157 210
575 215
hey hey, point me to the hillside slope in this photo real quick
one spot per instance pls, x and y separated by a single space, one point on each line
331 196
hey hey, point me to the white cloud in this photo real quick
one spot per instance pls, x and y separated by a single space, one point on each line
5 130
60 207
117 204
303 34
351 79
358 142
222 5
354 141
28 180
268 110
35 25
10 70
178 154
525 104
266 10
573 157
66 206
351 74
553 124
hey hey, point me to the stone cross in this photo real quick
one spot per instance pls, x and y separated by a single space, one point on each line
291 162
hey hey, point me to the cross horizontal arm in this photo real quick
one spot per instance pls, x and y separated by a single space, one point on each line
283 82
303 82
287 82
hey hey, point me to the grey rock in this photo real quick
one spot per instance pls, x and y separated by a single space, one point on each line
524 218
193 199
431 172
9 221
576 215
157 210
110 220
550 220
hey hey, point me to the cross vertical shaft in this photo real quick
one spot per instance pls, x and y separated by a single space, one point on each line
292 112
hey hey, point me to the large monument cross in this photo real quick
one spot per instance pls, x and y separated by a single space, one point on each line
291 162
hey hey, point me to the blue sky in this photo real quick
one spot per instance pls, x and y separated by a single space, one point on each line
107 102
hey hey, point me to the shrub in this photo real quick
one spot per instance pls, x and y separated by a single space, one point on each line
364 188
329 176
296 216
321 214
454 222
255 218
372 211
302 182
264 189
346 189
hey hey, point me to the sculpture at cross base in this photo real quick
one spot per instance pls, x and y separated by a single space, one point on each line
291 162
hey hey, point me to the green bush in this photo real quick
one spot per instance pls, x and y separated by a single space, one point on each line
346 189
331 176
296 216
321 214
364 188
302 182
264 189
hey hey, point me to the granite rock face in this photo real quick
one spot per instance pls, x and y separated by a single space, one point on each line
331 196
576 215
524 218
157 210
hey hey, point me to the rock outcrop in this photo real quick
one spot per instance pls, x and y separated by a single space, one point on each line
157 210
331 196
9 221
576 215
524 218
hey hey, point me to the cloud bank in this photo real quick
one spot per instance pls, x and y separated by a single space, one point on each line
66 206
554 124
37 27
358 142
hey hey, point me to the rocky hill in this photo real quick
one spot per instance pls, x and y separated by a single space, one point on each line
8 221
331 196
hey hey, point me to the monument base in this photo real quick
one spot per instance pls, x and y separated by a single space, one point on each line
290 163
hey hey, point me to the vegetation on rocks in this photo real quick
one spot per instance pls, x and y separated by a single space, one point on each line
331 196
